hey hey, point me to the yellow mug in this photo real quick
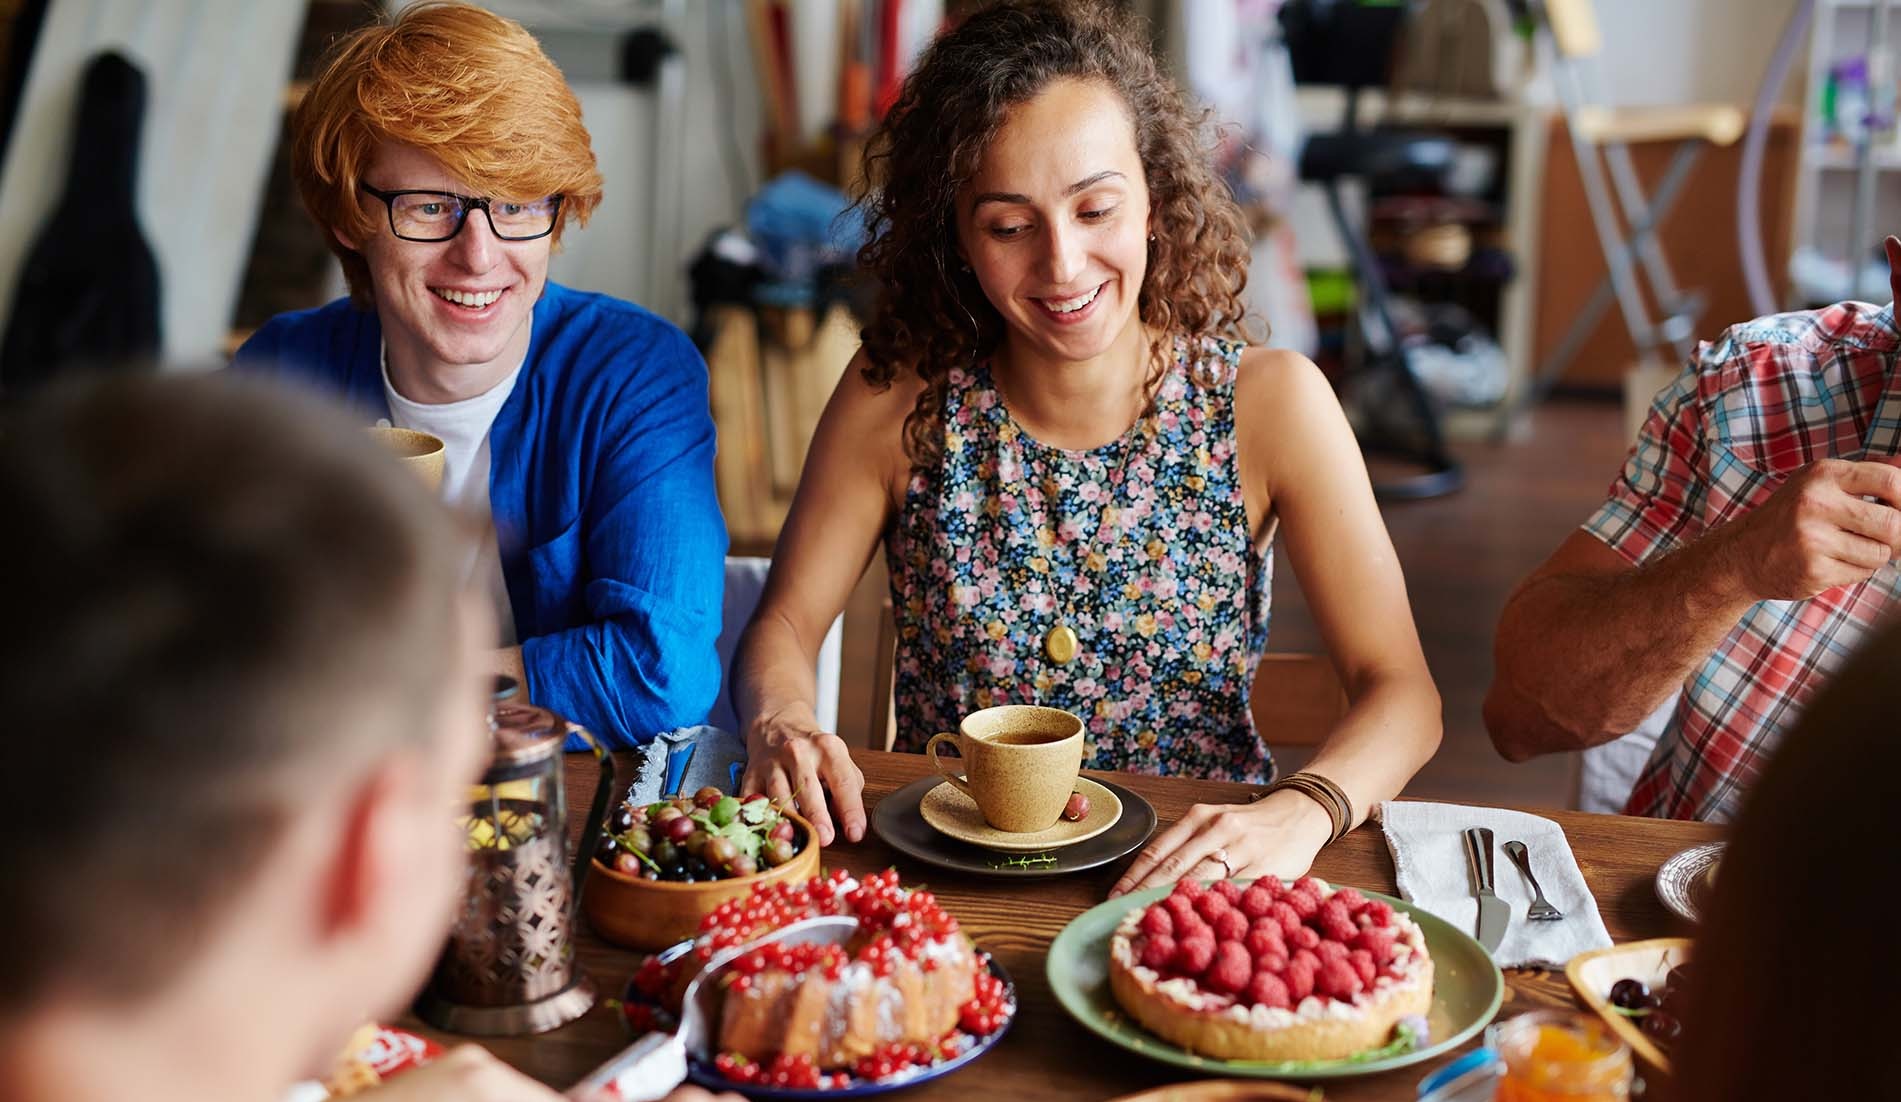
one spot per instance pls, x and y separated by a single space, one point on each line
1020 763
419 451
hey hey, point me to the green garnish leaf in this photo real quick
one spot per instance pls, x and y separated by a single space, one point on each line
1027 861
759 813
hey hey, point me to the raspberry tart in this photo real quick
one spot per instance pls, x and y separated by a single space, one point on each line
1271 972
907 990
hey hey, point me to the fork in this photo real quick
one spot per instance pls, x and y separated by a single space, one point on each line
1541 908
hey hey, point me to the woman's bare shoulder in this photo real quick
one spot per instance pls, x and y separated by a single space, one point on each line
1277 373
866 419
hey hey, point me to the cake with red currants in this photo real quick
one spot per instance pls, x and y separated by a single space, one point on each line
908 988
1272 971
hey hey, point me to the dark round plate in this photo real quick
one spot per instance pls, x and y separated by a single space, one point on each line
703 1073
897 821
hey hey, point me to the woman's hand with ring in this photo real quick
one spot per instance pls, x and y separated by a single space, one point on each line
1279 835
797 763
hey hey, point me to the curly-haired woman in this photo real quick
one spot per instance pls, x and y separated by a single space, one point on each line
1075 468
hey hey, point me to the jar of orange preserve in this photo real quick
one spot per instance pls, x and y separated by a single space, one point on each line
1561 1056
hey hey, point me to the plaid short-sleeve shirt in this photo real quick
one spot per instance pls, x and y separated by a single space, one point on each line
1759 403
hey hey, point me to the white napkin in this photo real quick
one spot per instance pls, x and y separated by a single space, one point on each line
1429 859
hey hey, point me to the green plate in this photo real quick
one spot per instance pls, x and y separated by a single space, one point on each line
1467 991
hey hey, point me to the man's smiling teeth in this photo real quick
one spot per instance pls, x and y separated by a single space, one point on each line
1071 305
476 299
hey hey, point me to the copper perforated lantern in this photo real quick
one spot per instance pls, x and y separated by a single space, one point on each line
509 966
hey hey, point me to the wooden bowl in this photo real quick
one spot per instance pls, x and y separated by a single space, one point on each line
1592 974
653 914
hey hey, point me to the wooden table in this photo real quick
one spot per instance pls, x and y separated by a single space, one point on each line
1046 1054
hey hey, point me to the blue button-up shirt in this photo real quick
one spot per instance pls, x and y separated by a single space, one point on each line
601 488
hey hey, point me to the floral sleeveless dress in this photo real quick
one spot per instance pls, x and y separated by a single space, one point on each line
1141 546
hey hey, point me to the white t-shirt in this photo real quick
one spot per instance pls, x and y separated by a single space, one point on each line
463 429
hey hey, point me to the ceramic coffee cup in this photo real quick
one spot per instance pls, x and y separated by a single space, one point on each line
1020 763
419 451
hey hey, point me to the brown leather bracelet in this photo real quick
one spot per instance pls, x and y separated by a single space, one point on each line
1323 791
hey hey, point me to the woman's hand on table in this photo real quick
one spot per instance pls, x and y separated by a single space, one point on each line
1279 835
789 758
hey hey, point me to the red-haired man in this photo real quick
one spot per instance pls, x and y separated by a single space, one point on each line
443 155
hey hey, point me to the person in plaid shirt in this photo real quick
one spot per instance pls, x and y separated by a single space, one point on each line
1744 551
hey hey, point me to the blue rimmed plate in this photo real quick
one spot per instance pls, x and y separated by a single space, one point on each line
703 1073
1466 993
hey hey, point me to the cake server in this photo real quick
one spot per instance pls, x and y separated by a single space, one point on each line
654 1065
1494 913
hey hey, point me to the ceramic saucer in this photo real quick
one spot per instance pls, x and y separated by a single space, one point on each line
955 814
896 821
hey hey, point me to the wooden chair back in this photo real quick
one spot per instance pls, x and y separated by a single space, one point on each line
1296 700
1574 28
883 721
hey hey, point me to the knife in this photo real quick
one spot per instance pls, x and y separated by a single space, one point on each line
1494 913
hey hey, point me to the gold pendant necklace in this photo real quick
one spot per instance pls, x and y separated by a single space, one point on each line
1061 644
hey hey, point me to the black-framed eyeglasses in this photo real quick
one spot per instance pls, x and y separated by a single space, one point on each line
440 215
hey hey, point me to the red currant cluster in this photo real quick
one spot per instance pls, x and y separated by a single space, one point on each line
796 960
768 907
653 979
642 1017
798 1072
988 1008
906 919
888 1060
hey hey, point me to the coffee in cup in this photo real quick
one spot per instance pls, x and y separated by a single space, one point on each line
1020 763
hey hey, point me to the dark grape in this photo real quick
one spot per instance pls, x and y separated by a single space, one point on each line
664 852
678 830
1661 1025
623 820
696 866
1631 995
673 871
696 842
606 851
1672 1000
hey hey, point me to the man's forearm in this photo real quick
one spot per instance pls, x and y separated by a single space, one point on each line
1584 658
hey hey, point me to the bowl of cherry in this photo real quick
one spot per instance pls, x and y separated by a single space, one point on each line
1638 988
663 866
